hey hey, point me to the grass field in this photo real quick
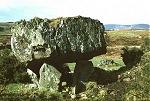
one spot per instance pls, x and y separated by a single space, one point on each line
5 28
126 37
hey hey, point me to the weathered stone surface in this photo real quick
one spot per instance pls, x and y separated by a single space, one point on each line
34 78
71 38
82 72
131 56
49 78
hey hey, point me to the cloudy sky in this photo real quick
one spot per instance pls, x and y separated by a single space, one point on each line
107 11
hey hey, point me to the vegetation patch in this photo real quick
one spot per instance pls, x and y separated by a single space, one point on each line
126 37
11 70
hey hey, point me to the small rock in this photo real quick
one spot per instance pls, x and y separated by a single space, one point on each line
73 96
127 79
83 96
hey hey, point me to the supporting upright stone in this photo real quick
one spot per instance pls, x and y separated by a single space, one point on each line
82 72
49 78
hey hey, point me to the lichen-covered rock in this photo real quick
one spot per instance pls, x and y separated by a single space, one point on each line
131 56
33 78
49 78
74 36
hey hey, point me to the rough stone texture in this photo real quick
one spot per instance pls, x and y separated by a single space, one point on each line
131 56
33 77
82 72
71 39
49 78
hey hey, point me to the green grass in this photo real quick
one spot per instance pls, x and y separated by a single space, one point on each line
6 28
6 32
14 87
128 33
96 61
21 92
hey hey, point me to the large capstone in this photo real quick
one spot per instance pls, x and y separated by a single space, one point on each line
49 78
70 39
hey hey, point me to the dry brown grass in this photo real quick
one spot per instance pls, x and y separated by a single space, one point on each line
126 37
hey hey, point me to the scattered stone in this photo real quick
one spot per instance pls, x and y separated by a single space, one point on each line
31 86
73 96
83 97
127 79
1 44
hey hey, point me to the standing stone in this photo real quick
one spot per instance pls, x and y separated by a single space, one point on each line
82 72
49 78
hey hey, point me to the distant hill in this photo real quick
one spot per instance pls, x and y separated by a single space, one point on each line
123 27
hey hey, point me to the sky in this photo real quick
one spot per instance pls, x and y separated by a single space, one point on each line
107 11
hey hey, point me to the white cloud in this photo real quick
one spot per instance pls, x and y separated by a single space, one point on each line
5 4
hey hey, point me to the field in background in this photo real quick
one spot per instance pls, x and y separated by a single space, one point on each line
126 37
5 28
5 34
